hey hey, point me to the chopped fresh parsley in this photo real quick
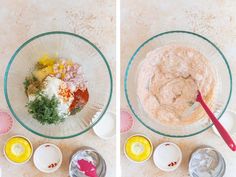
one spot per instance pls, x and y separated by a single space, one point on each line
74 111
26 83
44 109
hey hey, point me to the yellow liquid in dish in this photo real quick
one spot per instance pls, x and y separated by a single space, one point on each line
18 149
138 148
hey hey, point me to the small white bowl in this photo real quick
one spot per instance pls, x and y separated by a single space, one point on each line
127 154
47 158
106 127
167 156
20 136
228 120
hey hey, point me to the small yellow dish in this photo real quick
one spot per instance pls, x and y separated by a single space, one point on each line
138 148
18 149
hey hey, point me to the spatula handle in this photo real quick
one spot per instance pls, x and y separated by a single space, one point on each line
224 134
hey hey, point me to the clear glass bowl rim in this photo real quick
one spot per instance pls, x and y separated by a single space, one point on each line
133 57
47 34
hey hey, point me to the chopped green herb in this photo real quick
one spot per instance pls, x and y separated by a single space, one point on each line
76 110
26 83
190 103
44 109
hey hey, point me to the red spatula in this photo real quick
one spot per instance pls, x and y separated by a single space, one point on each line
224 134
87 167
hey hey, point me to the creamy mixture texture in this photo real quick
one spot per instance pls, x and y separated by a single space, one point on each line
168 80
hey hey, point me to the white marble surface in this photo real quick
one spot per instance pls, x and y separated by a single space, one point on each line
21 20
140 19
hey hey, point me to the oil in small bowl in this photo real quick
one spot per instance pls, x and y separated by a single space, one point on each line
138 148
18 149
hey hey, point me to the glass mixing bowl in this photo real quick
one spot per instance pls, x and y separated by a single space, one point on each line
69 46
216 59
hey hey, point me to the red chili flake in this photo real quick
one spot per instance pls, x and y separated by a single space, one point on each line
172 164
65 93
167 144
52 165
47 145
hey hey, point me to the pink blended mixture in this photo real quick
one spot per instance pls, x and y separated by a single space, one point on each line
168 80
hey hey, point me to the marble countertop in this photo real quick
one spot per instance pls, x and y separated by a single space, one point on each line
20 20
140 20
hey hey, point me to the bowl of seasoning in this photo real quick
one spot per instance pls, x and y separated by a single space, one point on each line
18 149
56 82
167 156
138 148
47 158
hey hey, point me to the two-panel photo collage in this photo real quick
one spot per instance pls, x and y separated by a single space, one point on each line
117 88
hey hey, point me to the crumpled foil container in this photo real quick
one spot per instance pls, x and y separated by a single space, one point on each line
206 162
